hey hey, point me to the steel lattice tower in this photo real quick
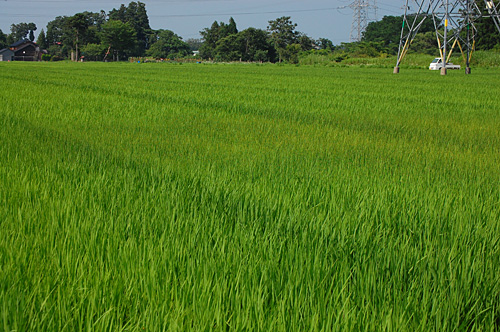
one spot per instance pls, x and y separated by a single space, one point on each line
360 17
454 23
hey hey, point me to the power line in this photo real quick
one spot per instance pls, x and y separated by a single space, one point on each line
247 13
215 14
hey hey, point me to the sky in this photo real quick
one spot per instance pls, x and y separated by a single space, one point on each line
317 18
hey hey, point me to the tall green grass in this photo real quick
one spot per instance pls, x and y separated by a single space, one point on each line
262 198
481 59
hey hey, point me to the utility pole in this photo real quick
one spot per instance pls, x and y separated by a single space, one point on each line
455 17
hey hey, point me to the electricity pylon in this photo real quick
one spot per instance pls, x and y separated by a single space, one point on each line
364 11
454 23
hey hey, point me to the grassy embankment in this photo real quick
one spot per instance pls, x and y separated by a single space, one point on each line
480 59
197 197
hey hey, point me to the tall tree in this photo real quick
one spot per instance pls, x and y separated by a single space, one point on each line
215 33
58 31
210 38
119 36
283 34
3 40
95 20
256 45
228 29
79 23
135 14
22 30
42 40
168 45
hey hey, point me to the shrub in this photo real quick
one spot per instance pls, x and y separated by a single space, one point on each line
46 57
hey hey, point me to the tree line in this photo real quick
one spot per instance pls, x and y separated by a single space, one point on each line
125 32
121 33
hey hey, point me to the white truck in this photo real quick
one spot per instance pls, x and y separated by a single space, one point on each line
437 64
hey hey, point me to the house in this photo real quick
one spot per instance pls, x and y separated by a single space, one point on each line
6 55
25 50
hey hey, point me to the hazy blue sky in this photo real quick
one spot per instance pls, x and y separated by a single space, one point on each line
316 18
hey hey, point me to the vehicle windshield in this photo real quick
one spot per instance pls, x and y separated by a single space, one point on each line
436 60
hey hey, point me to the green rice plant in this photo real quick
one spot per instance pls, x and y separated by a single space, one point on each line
161 197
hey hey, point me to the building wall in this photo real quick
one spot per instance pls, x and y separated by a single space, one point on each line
7 56
27 51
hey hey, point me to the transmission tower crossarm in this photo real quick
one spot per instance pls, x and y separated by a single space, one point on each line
494 12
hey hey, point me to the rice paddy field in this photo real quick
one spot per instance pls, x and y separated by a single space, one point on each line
163 197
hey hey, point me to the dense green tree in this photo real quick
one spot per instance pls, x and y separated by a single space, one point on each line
248 45
59 33
194 43
94 52
425 43
10 39
136 16
325 44
96 19
91 35
229 48
228 29
305 42
388 31
55 30
210 38
166 44
292 52
215 33
283 34
63 30
256 46
119 36
42 40
57 52
78 24
488 36
32 29
22 30
3 40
